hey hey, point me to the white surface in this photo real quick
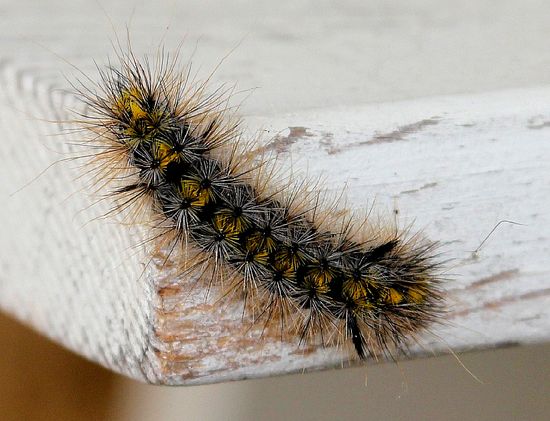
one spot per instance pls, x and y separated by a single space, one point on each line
455 166
78 280
74 278
300 54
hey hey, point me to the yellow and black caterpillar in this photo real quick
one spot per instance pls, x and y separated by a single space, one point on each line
174 147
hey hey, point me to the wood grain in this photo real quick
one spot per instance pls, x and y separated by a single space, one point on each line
454 165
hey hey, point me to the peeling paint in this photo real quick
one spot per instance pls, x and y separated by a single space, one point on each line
539 126
501 276
424 187
399 134
281 144
493 305
402 132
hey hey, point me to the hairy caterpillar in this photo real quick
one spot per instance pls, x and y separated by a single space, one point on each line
175 151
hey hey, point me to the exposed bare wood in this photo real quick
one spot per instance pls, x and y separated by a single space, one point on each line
455 165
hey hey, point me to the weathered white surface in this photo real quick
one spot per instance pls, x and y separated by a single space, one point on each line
456 164
73 278
300 54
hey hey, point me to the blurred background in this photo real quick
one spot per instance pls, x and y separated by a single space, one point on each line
394 50
41 381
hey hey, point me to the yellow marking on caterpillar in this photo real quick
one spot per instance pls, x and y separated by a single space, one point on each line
165 154
191 190
237 223
316 283
142 123
354 289
259 241
394 296
225 226
324 275
282 266
261 257
222 228
417 296
294 258
128 101
253 242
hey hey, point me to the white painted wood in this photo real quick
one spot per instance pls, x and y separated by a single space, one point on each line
456 165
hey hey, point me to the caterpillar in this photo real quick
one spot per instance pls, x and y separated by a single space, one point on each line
175 152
